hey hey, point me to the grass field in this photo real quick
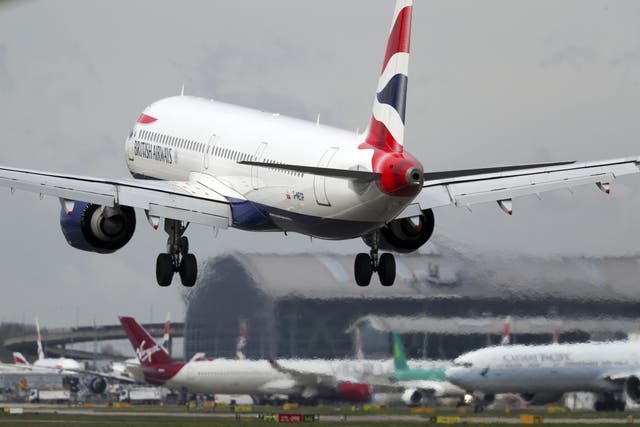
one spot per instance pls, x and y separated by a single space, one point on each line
179 416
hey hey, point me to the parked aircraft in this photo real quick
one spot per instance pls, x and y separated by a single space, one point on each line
419 385
543 373
258 378
200 161
97 382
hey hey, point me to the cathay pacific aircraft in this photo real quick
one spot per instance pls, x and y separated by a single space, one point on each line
543 373
198 161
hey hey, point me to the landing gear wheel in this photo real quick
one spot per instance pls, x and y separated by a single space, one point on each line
363 269
164 269
188 270
387 269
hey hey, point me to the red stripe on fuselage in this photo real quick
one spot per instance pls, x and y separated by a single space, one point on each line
400 37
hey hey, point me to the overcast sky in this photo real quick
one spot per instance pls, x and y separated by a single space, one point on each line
491 83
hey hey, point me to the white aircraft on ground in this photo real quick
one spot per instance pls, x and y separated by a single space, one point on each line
305 380
97 382
205 162
543 373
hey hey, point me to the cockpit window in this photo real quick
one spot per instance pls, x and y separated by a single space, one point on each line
462 364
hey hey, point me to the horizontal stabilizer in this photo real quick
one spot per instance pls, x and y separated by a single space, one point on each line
433 176
329 172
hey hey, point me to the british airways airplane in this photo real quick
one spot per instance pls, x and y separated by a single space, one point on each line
197 161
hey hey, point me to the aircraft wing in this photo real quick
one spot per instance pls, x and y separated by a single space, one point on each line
307 378
465 188
200 200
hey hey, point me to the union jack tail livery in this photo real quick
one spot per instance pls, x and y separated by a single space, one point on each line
39 340
506 332
166 337
386 131
19 359
147 350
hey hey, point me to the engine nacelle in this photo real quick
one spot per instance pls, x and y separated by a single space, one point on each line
406 234
632 388
96 228
412 397
97 385
354 392
540 398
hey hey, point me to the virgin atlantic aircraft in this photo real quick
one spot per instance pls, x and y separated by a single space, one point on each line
199 161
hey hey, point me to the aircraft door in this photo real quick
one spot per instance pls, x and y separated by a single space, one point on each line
319 182
255 171
208 152
130 144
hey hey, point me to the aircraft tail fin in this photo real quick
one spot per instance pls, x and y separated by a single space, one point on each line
506 332
386 130
147 349
243 333
556 335
166 337
19 359
39 341
399 357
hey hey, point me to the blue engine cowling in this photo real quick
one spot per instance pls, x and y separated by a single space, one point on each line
96 228
97 385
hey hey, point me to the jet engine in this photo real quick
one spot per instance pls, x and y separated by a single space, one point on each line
412 397
632 388
540 398
405 234
96 228
97 385
354 392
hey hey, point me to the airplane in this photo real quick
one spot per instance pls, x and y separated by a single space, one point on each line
237 376
543 373
97 382
419 385
61 363
206 162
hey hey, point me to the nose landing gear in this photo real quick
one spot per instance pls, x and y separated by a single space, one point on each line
366 264
177 259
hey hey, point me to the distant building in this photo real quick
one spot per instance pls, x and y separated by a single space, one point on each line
302 305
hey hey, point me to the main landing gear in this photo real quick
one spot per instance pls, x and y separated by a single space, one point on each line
366 264
177 259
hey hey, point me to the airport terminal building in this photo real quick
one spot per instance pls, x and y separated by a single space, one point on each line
444 303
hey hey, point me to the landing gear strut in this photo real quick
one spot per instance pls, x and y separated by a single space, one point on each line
366 264
177 259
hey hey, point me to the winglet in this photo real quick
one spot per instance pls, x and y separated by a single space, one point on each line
506 332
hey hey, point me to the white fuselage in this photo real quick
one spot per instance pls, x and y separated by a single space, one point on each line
258 377
546 368
62 363
195 135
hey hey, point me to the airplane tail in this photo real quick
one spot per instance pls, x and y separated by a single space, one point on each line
242 340
19 359
556 335
39 341
386 130
506 332
166 337
399 358
146 348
